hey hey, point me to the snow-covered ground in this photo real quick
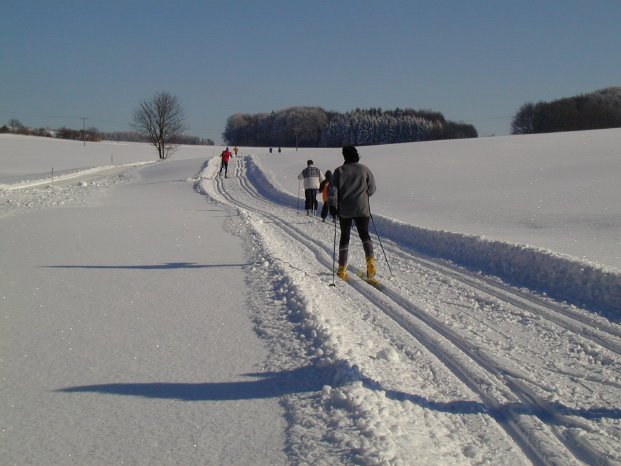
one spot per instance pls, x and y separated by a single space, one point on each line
535 210
554 191
114 350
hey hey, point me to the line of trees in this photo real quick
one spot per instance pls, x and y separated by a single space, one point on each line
15 126
597 110
92 134
316 127
135 136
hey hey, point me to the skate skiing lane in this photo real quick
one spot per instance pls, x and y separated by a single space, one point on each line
118 340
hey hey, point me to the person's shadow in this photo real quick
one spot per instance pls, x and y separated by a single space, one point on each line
263 385
162 266
310 378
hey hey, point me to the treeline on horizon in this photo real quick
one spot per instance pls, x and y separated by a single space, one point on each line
316 127
134 136
93 135
597 110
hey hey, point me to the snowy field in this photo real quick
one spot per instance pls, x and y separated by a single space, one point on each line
554 191
444 364
27 160
534 210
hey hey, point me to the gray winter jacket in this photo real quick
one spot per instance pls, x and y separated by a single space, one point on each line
351 186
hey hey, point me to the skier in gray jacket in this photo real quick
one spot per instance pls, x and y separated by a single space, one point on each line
352 185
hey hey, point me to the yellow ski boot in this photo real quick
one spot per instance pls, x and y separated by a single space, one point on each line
371 271
342 272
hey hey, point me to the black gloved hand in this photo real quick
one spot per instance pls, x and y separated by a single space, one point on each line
334 211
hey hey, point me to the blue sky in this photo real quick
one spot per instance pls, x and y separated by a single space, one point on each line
473 60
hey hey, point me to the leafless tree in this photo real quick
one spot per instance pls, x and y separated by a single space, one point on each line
15 125
161 120
524 120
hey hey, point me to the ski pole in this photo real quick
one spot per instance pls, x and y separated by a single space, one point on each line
381 245
298 208
334 256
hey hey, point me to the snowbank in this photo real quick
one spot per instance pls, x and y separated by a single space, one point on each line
559 276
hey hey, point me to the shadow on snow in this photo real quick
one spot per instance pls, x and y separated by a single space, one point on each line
164 266
310 379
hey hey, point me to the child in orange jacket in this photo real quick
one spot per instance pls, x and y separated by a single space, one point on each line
324 187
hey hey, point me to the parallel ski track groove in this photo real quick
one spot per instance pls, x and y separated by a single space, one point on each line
607 336
604 335
506 417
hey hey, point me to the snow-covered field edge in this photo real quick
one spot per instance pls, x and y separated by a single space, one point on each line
65 176
565 278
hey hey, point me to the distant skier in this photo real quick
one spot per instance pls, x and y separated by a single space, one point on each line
352 184
323 188
225 156
235 150
312 177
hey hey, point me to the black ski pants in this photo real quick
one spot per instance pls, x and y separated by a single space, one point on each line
362 225
310 201
224 165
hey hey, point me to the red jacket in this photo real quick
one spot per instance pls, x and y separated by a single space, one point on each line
226 155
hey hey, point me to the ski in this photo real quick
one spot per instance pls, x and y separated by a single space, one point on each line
371 281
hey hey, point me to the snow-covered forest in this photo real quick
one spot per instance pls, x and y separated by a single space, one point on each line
315 127
595 110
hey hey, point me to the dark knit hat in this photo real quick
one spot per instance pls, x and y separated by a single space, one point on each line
350 154
309 162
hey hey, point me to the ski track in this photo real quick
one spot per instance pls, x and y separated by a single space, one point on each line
457 331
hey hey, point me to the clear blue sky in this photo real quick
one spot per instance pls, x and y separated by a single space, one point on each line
473 60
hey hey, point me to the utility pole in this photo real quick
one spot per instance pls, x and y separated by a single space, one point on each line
84 130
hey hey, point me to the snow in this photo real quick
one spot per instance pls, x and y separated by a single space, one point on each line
153 313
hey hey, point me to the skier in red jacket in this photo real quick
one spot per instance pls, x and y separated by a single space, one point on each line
225 156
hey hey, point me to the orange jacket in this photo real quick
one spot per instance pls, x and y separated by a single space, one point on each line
324 190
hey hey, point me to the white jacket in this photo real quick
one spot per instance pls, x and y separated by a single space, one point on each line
312 177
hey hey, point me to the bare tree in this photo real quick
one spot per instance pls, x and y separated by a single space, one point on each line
524 120
161 120
15 125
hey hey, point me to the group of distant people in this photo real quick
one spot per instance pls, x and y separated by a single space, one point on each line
345 195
